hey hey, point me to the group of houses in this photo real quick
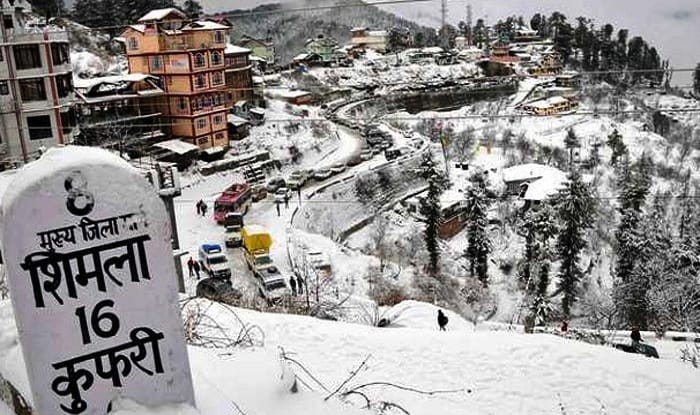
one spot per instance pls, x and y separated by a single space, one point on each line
184 80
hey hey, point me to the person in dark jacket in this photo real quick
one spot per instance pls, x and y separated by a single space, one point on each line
190 266
196 268
293 284
442 320
300 285
635 336
199 208
204 209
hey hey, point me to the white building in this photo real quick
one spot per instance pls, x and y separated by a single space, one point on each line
36 86
362 37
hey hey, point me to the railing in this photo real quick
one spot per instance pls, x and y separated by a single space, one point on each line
33 37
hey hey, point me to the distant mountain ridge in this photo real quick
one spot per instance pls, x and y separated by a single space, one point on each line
289 30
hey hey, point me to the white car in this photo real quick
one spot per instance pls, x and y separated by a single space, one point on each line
322 174
366 154
282 193
338 168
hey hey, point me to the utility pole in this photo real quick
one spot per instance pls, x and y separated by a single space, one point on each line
443 28
469 25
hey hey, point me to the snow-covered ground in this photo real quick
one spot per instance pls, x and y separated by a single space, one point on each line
482 372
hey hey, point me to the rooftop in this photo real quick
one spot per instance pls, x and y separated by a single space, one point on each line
176 146
160 14
233 49
529 171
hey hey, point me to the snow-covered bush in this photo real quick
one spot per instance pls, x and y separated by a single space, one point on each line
691 354
387 293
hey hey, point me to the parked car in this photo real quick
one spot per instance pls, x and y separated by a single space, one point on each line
218 290
272 285
297 179
322 174
282 193
338 168
258 193
366 154
274 184
640 348
354 161
213 261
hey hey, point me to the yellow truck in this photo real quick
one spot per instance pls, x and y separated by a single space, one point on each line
256 248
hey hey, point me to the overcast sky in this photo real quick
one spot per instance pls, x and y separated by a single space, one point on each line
673 26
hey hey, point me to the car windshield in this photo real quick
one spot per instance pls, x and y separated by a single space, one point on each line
263 260
218 260
275 285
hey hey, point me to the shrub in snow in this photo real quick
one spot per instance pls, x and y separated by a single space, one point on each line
691 354
386 293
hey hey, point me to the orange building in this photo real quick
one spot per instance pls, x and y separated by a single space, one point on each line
188 57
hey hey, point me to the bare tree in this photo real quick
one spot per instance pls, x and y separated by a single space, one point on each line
378 239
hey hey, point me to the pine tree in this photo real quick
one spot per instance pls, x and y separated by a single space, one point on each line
629 292
571 142
48 8
576 210
88 12
479 245
619 150
431 211
192 8
538 226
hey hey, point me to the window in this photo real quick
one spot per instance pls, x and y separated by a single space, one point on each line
4 89
32 89
39 127
60 53
216 58
132 43
218 119
216 78
199 60
201 123
7 21
64 85
219 136
200 81
237 61
202 140
68 121
219 37
157 62
27 56
182 104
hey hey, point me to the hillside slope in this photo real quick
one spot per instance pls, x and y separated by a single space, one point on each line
290 30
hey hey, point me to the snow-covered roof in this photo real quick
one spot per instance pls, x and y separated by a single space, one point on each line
546 103
160 14
358 29
177 146
258 111
257 58
235 120
214 150
377 33
545 187
205 25
568 75
80 83
301 57
292 94
233 49
432 49
138 27
529 171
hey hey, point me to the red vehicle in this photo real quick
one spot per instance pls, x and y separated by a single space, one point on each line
237 198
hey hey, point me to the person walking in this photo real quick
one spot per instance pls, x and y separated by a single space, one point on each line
293 284
199 208
286 201
636 336
190 266
300 285
277 205
196 269
204 209
442 320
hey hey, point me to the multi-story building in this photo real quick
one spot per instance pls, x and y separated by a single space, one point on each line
362 37
239 75
261 48
188 57
36 90
122 112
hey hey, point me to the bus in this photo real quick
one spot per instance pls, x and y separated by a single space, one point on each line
236 198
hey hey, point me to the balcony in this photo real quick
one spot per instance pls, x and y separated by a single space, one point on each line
21 36
182 43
